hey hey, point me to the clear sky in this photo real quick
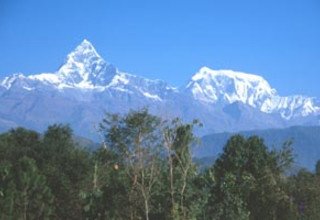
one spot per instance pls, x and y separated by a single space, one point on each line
169 39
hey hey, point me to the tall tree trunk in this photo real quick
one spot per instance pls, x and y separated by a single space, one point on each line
182 199
171 186
146 206
95 176
182 192
25 204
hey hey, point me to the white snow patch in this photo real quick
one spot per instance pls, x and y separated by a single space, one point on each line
151 96
46 77
120 78
28 88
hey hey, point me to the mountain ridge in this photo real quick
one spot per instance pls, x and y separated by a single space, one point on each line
86 85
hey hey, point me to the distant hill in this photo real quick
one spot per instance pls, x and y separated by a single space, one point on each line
306 143
83 142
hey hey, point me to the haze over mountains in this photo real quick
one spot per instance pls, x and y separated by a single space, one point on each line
86 86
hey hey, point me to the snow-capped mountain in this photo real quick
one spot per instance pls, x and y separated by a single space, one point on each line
227 86
86 70
86 86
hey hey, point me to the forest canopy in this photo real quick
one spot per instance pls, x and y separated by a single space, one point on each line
144 169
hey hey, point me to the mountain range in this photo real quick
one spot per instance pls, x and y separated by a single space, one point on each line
86 86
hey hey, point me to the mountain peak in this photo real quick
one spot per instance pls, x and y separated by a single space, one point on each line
86 42
84 65
206 72
86 45
82 52
228 86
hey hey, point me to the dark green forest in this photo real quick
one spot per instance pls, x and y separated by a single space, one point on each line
144 170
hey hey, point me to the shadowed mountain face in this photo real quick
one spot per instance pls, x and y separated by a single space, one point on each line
86 86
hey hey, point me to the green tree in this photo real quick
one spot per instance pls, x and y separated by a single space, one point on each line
7 191
135 138
177 141
305 190
18 143
25 194
249 180
108 190
66 167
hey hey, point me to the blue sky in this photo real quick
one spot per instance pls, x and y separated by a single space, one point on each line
170 40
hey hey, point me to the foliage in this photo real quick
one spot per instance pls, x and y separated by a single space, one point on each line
305 192
249 180
24 192
144 170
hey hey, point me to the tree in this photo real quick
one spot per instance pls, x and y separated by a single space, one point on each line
7 191
66 167
135 138
25 194
178 138
107 191
305 191
249 180
18 143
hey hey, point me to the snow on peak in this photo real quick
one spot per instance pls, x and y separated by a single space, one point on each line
7 82
229 86
291 106
85 67
206 72
83 51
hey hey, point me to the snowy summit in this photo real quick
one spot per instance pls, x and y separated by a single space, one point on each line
224 99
